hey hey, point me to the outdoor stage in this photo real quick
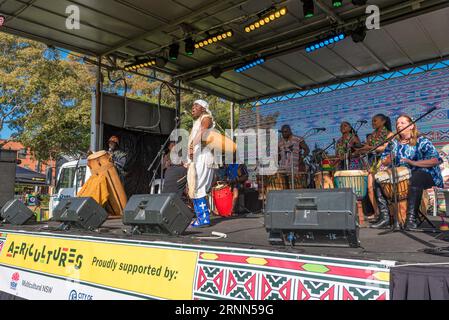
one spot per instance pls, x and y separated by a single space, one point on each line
112 264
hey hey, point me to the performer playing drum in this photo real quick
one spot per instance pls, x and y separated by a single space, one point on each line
418 154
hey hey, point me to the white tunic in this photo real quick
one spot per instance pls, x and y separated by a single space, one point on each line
200 172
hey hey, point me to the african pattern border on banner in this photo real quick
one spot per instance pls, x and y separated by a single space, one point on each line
229 273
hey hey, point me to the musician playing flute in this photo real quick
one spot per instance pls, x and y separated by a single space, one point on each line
416 152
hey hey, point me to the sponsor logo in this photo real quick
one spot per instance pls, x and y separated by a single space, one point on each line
14 280
60 257
77 295
37 287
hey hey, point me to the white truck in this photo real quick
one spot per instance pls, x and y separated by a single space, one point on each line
71 177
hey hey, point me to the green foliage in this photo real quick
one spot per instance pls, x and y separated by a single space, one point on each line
47 100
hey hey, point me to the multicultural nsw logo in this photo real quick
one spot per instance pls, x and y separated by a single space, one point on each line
14 280
60 256
74 295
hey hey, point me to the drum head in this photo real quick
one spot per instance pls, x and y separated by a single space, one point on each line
96 155
351 173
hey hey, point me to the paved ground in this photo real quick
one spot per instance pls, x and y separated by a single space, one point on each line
249 232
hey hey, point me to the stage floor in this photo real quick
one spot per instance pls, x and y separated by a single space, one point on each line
247 231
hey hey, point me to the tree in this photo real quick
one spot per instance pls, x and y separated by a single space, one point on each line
44 99
47 100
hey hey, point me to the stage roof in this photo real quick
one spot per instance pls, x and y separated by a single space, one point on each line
411 33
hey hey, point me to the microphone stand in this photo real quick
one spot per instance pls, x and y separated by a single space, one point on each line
160 155
393 165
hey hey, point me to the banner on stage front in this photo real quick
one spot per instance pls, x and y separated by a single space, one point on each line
153 272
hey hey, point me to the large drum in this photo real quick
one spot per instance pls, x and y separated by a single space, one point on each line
219 142
324 180
277 181
357 180
385 179
299 181
222 195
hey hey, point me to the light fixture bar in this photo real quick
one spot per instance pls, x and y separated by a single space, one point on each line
326 42
250 65
214 39
273 15
144 63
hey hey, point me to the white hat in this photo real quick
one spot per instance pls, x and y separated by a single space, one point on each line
202 103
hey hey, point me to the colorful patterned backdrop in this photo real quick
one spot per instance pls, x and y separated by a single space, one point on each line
413 94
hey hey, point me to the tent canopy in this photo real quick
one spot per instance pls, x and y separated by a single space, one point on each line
411 33
26 176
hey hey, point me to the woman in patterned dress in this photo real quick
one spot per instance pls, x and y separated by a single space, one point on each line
382 130
416 152
345 145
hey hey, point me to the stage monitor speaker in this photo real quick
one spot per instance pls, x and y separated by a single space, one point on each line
317 217
163 213
15 212
249 201
83 212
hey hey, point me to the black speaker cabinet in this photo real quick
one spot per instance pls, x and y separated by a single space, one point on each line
318 217
163 213
84 213
7 175
15 212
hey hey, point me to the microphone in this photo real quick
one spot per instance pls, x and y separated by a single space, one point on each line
319 129
432 109
363 121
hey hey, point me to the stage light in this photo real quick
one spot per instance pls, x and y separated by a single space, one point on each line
309 8
216 72
325 42
249 65
189 46
140 63
173 51
359 2
265 19
215 38
359 34
337 3
160 62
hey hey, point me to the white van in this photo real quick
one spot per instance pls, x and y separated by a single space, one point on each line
71 177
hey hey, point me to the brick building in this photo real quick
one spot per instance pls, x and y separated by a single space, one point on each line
25 156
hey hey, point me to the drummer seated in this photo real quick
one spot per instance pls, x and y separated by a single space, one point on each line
235 174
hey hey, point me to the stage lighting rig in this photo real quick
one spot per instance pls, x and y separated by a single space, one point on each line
140 63
189 46
309 8
271 15
337 3
173 51
214 39
216 72
330 40
359 34
250 65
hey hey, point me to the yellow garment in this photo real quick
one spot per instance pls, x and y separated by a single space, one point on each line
97 188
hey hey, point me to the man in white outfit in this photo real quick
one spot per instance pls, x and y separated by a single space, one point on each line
200 168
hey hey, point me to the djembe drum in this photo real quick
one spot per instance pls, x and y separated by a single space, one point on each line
277 181
385 179
324 180
357 180
299 181
101 167
222 195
